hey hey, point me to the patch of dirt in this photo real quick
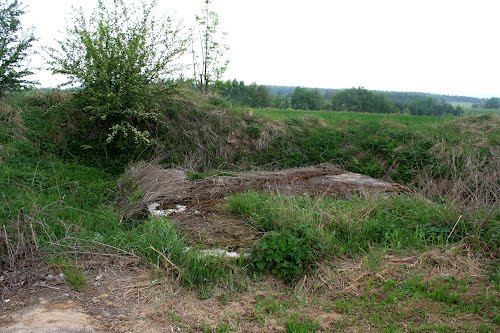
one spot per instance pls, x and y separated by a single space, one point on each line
349 277
207 223
47 317
124 296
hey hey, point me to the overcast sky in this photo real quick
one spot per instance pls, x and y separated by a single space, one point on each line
440 46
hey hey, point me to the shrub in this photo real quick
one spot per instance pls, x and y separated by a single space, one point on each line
120 56
287 253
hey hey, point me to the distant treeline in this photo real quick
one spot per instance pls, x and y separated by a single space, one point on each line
237 93
491 103
395 96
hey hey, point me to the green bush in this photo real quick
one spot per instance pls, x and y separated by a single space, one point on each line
287 253
120 56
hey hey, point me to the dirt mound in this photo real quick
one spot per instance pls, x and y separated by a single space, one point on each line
203 217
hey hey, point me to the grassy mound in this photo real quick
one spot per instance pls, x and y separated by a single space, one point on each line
55 173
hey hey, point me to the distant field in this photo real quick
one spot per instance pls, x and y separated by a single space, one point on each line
334 117
480 111
467 106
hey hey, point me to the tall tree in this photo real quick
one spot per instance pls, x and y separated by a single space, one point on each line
14 47
208 48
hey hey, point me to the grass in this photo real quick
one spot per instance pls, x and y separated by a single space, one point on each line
72 204
339 118
413 301
74 276
300 324
354 226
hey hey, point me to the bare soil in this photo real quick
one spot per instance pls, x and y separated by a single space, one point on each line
205 219
123 295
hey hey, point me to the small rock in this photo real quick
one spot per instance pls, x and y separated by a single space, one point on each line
50 277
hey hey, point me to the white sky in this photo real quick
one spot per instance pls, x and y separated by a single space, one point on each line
440 46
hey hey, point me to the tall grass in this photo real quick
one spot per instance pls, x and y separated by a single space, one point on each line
160 243
41 171
71 204
299 231
355 226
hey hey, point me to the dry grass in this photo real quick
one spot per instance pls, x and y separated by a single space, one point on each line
473 166
148 182
20 257
19 245
472 179
349 277
12 117
210 139
150 300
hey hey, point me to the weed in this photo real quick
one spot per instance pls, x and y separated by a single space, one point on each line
206 328
485 328
301 324
373 259
270 305
287 253
223 328
73 275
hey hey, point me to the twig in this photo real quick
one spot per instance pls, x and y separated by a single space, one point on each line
451 232
166 259
106 245
139 286
76 250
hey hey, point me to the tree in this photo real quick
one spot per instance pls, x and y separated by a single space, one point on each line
431 106
208 49
119 56
492 103
238 93
306 99
362 100
14 48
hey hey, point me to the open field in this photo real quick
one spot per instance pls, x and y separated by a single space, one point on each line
334 117
414 250
468 109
